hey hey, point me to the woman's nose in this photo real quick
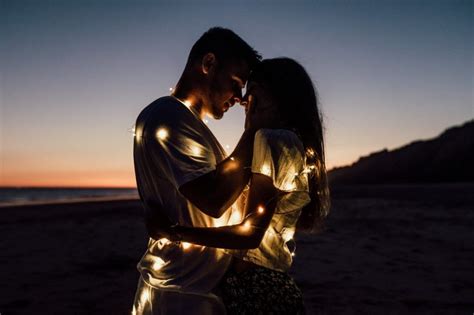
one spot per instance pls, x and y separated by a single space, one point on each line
245 100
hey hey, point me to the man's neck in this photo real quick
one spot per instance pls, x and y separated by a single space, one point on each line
187 96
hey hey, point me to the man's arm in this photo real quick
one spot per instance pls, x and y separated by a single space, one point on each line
214 192
246 235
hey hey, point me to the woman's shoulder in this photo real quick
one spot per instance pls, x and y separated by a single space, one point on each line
279 138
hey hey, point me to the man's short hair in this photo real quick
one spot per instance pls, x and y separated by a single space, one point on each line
225 45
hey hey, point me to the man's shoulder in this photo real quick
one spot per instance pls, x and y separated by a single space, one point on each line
161 104
165 102
166 107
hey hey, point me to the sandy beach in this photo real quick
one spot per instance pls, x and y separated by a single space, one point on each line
386 250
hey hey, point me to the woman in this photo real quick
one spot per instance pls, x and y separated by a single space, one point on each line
288 191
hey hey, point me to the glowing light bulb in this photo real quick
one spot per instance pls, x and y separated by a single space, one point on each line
227 146
187 103
171 89
196 150
206 121
159 263
186 245
162 133
260 209
293 254
246 227
232 158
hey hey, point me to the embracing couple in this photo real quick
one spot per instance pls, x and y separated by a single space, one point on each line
221 226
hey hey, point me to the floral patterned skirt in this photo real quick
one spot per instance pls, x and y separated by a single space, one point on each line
261 291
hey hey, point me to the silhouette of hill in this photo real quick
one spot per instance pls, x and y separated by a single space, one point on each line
446 158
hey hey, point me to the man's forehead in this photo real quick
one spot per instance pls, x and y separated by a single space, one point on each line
240 71
239 79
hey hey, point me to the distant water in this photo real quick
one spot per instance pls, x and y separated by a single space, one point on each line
24 196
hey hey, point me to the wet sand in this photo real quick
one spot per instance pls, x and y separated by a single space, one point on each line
386 250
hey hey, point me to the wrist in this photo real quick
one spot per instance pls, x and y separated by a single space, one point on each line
175 235
244 148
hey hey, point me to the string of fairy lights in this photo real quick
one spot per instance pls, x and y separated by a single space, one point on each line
246 225
162 134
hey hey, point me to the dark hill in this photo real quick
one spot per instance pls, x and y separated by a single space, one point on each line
446 158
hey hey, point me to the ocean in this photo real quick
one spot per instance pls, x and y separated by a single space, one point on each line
28 196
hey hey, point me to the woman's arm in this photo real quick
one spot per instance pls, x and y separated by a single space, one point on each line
258 213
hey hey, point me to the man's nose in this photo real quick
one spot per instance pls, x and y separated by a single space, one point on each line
237 96
234 100
237 99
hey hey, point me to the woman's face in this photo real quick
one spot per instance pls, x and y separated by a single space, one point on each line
260 108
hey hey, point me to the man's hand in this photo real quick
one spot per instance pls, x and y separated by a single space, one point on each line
157 233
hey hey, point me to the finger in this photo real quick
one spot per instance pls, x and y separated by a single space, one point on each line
251 104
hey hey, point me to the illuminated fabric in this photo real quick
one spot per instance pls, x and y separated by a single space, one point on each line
151 301
172 147
279 154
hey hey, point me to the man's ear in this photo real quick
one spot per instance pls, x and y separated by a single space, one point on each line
209 62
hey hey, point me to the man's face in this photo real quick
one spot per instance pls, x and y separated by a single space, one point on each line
226 87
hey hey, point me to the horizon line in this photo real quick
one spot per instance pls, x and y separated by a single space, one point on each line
64 187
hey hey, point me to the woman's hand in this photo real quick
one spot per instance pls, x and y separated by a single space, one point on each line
260 112
253 118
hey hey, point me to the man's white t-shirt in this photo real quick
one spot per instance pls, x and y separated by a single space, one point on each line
172 147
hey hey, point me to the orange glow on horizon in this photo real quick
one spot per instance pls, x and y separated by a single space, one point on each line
85 179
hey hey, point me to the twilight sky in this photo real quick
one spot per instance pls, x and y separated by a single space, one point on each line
75 74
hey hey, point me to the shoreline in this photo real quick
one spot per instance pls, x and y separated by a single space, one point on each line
360 189
19 204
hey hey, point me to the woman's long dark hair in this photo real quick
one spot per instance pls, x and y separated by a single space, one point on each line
291 88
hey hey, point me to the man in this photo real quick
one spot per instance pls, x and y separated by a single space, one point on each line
182 174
